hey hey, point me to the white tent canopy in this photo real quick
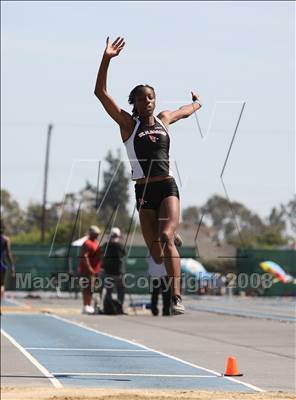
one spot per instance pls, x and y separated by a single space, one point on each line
192 266
79 242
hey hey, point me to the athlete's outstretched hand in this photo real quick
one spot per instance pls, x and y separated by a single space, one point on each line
195 96
113 49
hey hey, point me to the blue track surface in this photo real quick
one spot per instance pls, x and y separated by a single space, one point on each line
81 357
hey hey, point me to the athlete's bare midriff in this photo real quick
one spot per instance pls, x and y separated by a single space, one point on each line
152 179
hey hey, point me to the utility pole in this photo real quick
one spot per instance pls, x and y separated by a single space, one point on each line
43 216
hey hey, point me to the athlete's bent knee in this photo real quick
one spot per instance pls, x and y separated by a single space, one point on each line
167 239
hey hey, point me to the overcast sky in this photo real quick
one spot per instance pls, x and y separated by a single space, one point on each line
230 52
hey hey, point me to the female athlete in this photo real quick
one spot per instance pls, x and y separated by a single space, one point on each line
147 142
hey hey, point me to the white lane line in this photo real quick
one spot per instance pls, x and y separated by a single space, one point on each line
77 349
118 374
249 385
56 383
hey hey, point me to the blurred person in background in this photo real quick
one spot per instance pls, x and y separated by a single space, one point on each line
89 267
160 283
6 254
113 266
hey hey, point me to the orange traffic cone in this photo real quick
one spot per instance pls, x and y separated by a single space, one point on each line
231 368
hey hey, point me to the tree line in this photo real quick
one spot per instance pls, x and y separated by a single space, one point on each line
231 221
75 213
234 223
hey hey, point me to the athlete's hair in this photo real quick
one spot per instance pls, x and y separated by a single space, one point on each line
132 96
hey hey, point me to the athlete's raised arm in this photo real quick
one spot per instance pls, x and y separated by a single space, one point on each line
169 117
123 118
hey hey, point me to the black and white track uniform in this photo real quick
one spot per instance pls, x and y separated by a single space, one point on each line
148 151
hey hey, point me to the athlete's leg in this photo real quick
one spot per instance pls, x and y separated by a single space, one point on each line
2 284
150 230
120 288
87 296
2 292
166 295
154 295
169 212
87 290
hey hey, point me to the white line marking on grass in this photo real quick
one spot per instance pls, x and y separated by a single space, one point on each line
56 383
144 375
250 386
77 349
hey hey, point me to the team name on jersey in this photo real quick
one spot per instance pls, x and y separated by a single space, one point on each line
156 131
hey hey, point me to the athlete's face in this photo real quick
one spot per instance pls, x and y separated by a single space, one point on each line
145 102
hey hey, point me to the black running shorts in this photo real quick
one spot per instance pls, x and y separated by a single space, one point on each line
150 195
